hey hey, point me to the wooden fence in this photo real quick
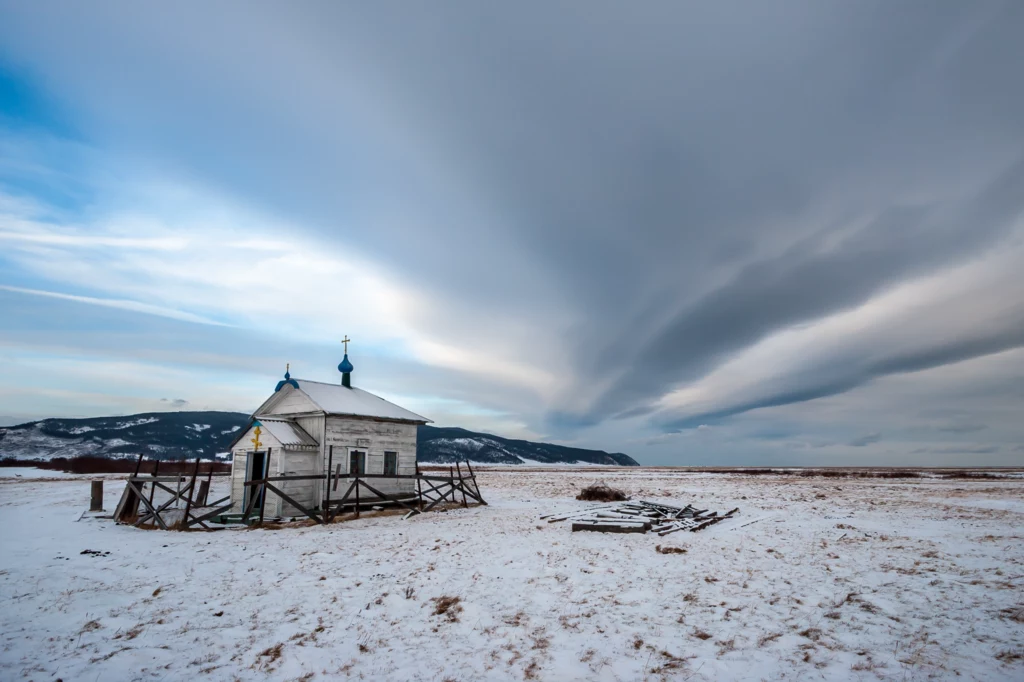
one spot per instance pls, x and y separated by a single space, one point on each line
431 490
360 491
140 490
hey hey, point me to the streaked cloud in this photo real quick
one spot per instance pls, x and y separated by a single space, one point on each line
608 228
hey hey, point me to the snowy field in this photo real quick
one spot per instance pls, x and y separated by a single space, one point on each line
818 579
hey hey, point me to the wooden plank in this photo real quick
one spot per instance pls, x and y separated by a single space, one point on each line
265 472
461 486
153 512
609 527
293 503
435 502
126 507
383 496
472 475
203 494
191 487
327 497
198 520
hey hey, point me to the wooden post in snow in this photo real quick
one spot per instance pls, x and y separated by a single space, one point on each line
462 485
96 497
357 495
327 499
191 490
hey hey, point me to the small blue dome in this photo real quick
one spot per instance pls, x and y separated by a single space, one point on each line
287 381
345 367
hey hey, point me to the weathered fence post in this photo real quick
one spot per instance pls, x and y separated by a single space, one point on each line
96 497
357 495
204 492
327 484
419 486
462 484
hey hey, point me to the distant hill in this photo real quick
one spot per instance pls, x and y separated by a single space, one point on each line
178 435
436 444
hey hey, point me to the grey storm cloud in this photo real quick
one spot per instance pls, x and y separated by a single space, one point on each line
650 188
864 441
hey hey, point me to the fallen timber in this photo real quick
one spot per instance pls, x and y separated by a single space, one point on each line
640 517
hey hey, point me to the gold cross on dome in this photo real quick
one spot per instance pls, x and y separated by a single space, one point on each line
256 444
345 341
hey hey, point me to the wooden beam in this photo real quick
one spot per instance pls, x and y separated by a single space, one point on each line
385 497
153 512
292 502
461 485
191 487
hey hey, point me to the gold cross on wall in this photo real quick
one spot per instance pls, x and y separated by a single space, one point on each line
256 444
345 341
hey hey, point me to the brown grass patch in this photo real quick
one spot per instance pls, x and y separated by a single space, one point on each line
90 626
1014 613
669 550
271 654
601 493
448 607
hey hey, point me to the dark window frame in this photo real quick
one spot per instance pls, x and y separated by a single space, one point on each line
394 471
357 455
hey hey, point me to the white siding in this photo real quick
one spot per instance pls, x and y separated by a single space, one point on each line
295 463
294 402
314 426
374 437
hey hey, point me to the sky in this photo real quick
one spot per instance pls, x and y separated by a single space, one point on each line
774 233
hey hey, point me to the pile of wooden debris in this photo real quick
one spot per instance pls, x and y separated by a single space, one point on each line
640 517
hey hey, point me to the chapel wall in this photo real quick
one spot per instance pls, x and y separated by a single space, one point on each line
374 437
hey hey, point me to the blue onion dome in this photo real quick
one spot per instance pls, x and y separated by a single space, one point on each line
287 381
345 367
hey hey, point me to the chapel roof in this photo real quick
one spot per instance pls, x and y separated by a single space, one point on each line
287 432
342 400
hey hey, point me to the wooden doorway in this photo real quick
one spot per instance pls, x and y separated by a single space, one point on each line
356 462
257 471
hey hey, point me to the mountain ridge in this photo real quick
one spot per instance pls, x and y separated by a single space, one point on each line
206 434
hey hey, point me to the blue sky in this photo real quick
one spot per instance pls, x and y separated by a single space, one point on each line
787 236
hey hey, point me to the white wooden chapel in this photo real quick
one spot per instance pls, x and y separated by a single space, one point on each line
306 425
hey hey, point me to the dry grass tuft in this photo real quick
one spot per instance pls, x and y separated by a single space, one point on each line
1014 613
700 634
601 493
448 607
271 654
813 634
669 550
90 626
1008 656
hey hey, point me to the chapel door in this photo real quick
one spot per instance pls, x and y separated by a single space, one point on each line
357 462
257 470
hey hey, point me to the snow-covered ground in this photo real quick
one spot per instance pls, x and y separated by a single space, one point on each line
815 579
